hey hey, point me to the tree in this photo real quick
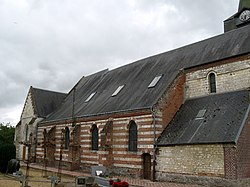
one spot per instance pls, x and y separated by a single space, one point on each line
7 147
7 133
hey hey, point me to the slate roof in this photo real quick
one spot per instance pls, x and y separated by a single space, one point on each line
223 120
137 76
46 101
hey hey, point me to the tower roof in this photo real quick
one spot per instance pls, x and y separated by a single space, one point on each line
236 21
244 4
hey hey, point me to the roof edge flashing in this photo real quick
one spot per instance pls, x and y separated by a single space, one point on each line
190 143
243 123
94 115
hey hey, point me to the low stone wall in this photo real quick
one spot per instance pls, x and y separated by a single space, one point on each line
206 159
201 180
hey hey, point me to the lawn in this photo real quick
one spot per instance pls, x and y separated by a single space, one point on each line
36 179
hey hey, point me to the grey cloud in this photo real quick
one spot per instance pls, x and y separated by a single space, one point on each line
52 44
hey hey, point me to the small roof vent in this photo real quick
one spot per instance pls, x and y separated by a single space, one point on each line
117 90
201 114
154 81
90 97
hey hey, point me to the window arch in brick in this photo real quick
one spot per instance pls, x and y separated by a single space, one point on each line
45 136
212 82
94 140
66 138
75 135
132 139
106 134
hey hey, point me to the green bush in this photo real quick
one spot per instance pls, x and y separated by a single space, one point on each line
7 152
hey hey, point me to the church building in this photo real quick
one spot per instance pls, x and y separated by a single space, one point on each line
182 115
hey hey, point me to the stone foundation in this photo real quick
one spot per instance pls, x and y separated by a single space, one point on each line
201 180
126 172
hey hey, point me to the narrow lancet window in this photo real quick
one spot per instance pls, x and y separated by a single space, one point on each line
132 146
94 138
212 83
67 138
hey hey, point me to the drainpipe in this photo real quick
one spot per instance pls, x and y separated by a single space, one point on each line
73 108
154 151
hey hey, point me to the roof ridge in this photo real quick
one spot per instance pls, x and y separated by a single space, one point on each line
142 60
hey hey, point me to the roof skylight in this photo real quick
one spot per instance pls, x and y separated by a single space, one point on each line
117 90
90 97
154 81
201 114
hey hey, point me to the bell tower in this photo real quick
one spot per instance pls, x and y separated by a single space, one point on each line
243 4
241 18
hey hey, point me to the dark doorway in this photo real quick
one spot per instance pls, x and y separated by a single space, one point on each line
147 166
51 147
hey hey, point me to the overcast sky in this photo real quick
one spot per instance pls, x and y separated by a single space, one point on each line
51 44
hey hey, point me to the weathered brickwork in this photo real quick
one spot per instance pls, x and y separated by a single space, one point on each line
243 151
191 159
172 99
229 77
113 148
230 161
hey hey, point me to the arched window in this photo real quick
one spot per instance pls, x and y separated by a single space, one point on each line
67 138
212 83
26 132
132 139
94 138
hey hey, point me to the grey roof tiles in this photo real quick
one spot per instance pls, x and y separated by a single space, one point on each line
222 121
46 101
138 75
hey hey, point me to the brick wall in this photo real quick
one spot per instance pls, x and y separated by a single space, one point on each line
243 151
170 103
205 160
229 77
237 157
230 162
116 156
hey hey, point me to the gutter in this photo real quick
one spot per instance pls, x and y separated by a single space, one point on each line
94 115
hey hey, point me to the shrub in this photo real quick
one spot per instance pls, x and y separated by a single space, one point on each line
7 152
